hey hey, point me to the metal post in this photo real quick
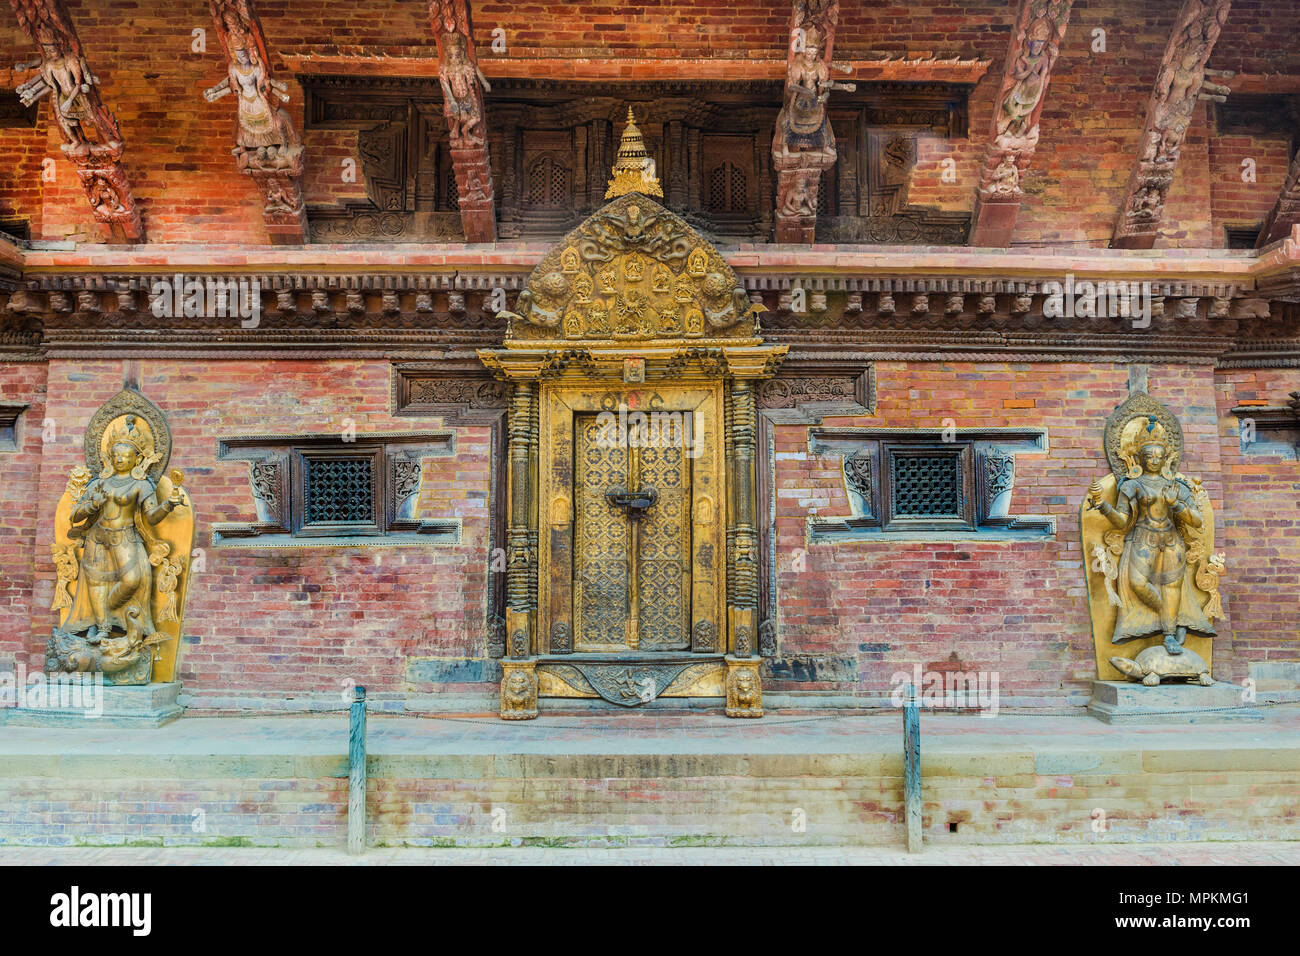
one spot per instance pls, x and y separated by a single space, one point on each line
912 770
357 773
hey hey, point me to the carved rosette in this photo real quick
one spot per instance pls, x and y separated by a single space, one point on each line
267 147
91 138
1179 84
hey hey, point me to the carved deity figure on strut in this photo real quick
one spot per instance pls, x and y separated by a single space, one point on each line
461 79
264 133
121 549
803 125
1148 531
66 77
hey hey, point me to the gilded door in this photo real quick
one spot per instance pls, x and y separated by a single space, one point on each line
631 569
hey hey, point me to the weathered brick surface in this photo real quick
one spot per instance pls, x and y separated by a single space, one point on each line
189 191
1014 607
856 806
298 620
1261 526
19 507
268 625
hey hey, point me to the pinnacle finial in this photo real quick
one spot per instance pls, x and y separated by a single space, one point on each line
634 170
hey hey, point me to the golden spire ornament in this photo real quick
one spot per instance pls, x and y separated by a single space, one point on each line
634 170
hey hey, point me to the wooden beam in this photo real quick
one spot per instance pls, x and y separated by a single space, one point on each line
1035 44
267 147
91 138
1179 83
463 84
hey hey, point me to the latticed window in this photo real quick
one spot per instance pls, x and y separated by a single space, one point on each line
728 188
338 490
548 183
453 193
926 486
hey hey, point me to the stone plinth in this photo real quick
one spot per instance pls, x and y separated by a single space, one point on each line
1128 702
150 705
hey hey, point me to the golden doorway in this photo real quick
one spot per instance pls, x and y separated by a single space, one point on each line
633 354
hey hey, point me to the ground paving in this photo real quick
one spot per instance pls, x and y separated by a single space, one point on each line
634 733
1182 854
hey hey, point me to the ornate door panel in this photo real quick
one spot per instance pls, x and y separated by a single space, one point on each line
663 537
631 576
602 549
618 584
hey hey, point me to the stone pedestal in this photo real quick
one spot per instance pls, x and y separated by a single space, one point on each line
1128 702
150 705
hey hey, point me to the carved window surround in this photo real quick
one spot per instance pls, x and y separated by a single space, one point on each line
810 386
874 462
458 390
1274 429
10 412
281 467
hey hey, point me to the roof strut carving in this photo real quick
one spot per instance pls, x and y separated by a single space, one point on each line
463 84
1179 84
1035 43
267 147
91 138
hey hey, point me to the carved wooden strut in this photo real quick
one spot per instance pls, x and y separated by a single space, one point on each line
91 139
804 144
462 99
1180 82
1035 43
267 146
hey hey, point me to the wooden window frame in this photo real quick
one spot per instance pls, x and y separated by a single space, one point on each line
299 463
10 413
962 451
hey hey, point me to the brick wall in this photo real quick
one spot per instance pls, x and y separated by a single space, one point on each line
1014 607
266 624
293 621
977 795
20 508
178 145
1261 528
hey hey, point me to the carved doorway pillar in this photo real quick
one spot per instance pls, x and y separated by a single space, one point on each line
632 557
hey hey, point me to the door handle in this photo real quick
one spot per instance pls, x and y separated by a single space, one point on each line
635 503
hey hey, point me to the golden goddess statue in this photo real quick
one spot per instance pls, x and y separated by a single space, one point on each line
1148 535
122 547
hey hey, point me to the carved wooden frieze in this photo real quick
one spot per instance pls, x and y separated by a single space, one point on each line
1035 42
91 138
1179 84
552 146
267 147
